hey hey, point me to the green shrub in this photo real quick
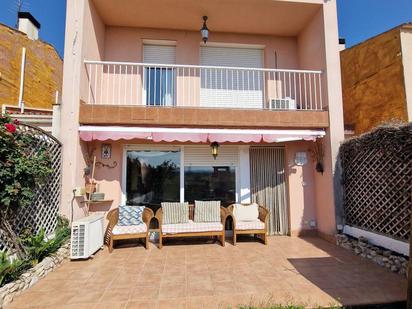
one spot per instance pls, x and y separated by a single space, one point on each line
38 247
11 270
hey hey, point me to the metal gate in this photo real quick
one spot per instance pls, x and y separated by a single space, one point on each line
43 211
268 186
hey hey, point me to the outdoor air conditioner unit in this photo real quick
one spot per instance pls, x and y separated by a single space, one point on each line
284 103
87 236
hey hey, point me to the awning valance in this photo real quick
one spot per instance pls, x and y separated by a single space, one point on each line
196 135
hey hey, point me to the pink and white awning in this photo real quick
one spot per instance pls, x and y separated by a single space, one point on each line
196 135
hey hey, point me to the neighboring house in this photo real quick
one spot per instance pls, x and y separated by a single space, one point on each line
31 73
377 80
144 94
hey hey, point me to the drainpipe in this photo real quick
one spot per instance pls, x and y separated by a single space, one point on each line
23 65
56 117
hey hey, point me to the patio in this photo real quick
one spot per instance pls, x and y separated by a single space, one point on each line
306 271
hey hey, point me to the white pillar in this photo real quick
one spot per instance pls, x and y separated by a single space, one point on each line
244 174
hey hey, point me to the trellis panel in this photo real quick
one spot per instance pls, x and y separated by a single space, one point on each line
377 181
43 211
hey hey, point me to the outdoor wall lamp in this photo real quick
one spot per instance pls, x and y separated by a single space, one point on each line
215 149
204 31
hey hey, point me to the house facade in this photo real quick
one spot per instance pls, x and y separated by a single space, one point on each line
252 114
377 80
30 73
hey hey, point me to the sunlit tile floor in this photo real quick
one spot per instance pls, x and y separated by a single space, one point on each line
202 274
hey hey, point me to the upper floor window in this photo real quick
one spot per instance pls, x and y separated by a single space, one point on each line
159 81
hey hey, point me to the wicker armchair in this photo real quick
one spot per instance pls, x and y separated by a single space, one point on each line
219 234
113 217
261 232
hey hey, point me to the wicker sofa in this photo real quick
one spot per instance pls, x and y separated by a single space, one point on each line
192 229
117 232
258 227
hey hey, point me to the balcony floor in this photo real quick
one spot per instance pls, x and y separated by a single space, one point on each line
204 117
195 274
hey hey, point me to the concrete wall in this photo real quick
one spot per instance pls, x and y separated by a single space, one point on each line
373 83
84 40
43 70
318 47
406 41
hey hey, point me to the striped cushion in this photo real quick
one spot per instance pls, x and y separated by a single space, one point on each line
129 229
192 227
175 213
207 211
250 225
130 215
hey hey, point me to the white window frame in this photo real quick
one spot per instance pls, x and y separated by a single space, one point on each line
238 170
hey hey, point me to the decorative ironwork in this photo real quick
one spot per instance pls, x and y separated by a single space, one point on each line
43 211
377 181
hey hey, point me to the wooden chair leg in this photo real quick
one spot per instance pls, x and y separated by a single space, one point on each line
147 242
160 241
234 238
223 239
265 239
111 245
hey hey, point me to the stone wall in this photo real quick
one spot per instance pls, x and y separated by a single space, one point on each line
43 70
373 82
33 275
385 258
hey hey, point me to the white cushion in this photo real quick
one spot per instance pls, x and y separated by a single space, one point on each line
192 227
250 225
246 212
129 229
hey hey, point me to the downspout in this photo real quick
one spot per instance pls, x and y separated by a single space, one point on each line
23 65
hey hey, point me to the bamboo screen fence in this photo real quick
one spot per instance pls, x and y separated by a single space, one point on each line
43 211
377 181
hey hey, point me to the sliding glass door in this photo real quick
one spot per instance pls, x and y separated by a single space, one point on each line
152 177
206 183
172 174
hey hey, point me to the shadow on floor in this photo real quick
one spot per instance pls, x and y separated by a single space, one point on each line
354 281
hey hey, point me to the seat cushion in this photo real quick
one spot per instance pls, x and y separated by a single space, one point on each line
250 225
207 211
192 227
174 213
246 212
130 215
129 229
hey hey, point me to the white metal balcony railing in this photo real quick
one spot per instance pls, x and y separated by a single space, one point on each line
123 83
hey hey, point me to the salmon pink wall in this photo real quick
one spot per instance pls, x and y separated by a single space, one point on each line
126 44
300 182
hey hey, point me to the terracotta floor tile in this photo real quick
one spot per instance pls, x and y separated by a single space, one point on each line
172 291
178 303
145 292
202 274
140 304
116 295
110 305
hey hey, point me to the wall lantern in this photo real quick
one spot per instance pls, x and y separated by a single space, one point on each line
301 158
215 149
204 31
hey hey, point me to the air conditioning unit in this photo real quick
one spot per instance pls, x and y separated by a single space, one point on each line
282 104
87 236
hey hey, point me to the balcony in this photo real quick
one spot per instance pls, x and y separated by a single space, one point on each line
167 85
169 94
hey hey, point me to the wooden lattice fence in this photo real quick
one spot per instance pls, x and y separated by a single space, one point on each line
377 181
43 211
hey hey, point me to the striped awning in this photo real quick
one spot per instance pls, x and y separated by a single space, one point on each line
196 135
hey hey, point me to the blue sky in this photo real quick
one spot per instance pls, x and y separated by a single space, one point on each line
358 19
